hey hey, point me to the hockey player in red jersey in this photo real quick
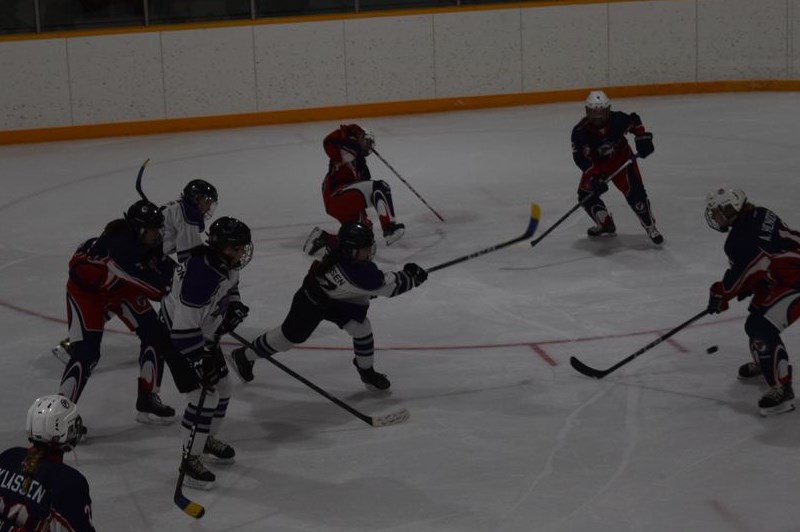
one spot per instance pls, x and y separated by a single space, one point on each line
348 188
599 147
38 491
337 289
118 273
764 257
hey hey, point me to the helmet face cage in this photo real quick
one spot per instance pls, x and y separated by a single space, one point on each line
226 233
198 190
598 107
54 420
365 139
354 237
722 208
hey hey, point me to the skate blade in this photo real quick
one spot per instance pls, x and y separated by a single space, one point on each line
775 410
204 485
61 354
147 418
211 459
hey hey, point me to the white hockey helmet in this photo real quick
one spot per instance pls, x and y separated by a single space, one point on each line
54 420
723 206
597 107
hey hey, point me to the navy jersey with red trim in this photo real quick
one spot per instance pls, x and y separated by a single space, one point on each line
761 247
606 147
106 262
56 500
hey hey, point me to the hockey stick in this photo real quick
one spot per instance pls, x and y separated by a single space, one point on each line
189 507
583 201
599 374
389 166
139 180
392 418
533 223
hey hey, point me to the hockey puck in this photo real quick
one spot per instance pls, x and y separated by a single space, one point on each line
712 349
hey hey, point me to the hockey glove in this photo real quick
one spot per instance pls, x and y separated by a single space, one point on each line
598 185
717 301
417 274
644 144
205 367
234 316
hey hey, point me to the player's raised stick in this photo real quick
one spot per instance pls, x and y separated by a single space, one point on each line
389 166
600 373
139 180
533 223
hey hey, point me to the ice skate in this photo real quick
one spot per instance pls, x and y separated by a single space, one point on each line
62 351
241 366
218 451
150 409
607 228
777 400
654 234
373 380
392 232
197 476
749 370
317 240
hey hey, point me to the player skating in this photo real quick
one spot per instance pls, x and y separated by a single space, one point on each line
764 257
337 289
599 147
348 189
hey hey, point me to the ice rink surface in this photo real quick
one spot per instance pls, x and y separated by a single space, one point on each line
504 435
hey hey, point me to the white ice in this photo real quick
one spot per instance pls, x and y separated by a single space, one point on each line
499 438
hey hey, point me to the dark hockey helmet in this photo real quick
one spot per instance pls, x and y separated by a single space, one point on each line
354 237
202 193
144 215
231 239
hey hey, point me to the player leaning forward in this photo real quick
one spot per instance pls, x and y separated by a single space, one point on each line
338 289
203 305
764 256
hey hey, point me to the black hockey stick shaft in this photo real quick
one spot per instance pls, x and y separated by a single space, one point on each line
360 415
189 507
396 173
583 201
139 180
533 223
599 374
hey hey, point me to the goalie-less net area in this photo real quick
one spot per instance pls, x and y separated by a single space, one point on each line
503 433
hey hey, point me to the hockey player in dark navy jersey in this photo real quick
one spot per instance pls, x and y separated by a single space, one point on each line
38 492
600 147
764 257
337 289
118 273
204 304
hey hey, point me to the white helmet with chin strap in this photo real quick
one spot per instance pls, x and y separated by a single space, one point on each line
597 107
723 207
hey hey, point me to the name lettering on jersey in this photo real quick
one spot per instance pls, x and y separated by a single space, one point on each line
13 482
768 226
336 277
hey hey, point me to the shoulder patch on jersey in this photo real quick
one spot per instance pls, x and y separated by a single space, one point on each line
364 275
200 282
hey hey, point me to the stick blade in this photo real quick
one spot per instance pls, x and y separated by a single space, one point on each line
190 508
536 213
393 418
582 368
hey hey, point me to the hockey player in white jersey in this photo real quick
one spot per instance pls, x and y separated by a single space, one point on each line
202 305
185 218
337 289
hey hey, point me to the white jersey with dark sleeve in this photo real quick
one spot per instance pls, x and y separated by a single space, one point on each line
195 307
183 229
358 282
